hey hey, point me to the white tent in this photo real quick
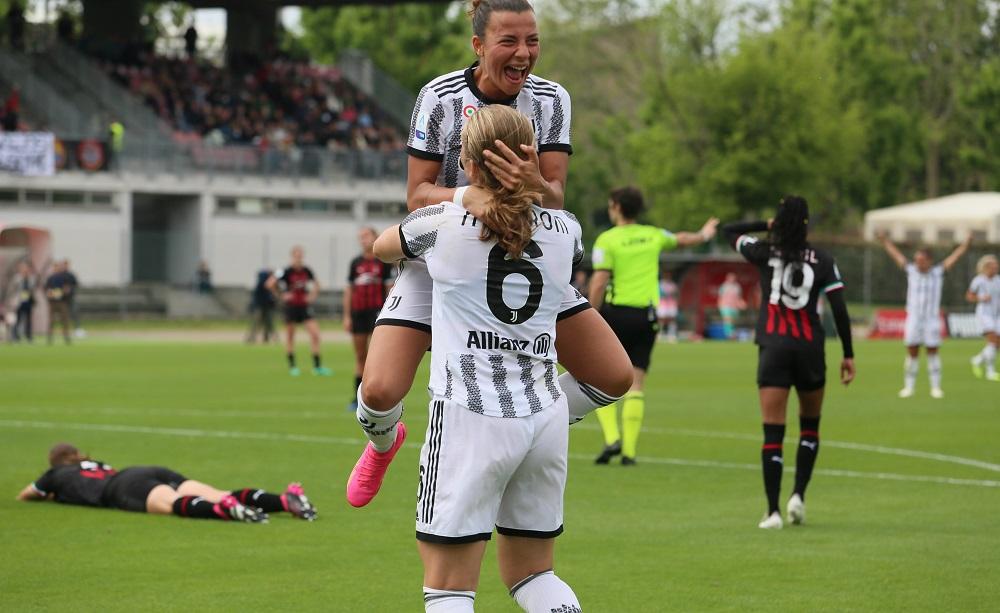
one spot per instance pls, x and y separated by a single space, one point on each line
939 220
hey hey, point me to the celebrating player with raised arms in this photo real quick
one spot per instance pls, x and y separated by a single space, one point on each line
924 280
984 291
495 453
506 42
790 336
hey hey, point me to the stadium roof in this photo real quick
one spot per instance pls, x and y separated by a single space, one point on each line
944 219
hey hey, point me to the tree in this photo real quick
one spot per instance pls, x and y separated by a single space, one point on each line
413 43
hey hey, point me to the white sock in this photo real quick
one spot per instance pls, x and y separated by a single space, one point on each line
379 426
910 369
934 370
545 592
448 601
582 398
989 357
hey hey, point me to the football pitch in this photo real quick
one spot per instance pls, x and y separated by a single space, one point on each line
903 511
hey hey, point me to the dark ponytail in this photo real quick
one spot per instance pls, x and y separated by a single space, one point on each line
790 229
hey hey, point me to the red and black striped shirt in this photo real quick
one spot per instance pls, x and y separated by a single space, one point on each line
368 278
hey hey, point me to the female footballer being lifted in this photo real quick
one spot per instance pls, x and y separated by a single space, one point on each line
505 39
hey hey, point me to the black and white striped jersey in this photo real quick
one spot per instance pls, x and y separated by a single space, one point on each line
445 103
983 286
923 291
494 318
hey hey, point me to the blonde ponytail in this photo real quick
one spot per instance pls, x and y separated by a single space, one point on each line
508 217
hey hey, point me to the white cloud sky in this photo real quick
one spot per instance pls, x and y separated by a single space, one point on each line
212 22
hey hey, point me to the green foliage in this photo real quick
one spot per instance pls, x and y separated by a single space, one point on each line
413 43
856 104
720 106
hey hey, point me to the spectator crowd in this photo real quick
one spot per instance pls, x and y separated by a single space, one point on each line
275 104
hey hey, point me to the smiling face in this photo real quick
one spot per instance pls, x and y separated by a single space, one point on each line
508 51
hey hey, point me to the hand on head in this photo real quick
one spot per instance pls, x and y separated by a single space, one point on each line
512 170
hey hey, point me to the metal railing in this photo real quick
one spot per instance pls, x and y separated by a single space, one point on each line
115 99
156 156
393 98
43 101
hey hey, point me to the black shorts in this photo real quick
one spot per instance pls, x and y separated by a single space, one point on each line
636 328
296 314
129 489
803 369
363 322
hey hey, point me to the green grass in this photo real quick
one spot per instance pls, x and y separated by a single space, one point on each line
664 536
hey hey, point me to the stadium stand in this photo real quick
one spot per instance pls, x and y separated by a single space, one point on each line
278 104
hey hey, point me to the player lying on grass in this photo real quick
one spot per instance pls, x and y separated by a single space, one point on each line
984 292
789 333
924 280
495 452
74 478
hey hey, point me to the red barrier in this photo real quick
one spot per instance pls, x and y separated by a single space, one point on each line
891 323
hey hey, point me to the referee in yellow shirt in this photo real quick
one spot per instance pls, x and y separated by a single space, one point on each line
625 289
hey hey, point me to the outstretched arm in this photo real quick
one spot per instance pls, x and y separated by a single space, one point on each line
707 233
892 250
733 231
957 254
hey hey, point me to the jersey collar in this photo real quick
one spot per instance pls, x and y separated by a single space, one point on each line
470 80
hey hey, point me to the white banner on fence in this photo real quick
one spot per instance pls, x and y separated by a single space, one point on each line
28 153
963 325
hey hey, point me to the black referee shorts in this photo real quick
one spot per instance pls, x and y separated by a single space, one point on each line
129 489
363 322
803 369
636 328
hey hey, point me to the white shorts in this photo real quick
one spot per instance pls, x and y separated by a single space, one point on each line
409 302
479 472
924 331
667 310
988 323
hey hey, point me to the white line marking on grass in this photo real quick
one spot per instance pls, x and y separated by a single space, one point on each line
305 438
334 412
910 453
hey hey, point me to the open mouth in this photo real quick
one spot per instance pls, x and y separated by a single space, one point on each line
515 75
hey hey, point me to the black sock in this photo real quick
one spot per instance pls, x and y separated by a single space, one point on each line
805 457
773 463
357 385
196 507
250 497
316 360
291 360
